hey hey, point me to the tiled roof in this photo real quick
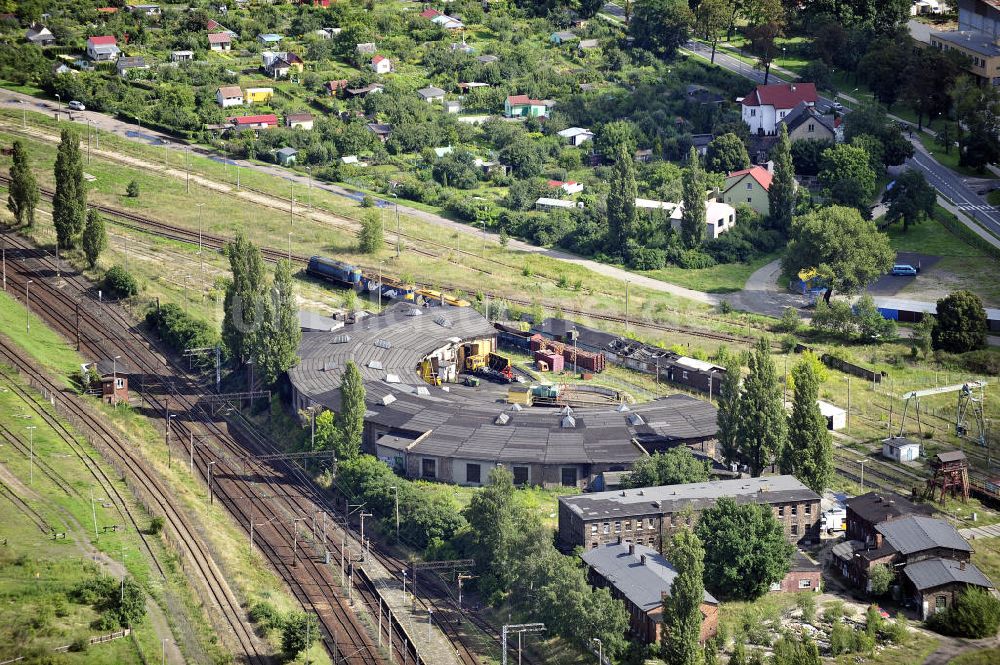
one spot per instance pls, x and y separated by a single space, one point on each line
644 584
917 533
933 573
219 37
106 40
268 118
515 100
230 91
758 173
299 117
781 95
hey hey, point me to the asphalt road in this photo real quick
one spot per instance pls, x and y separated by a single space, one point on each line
949 184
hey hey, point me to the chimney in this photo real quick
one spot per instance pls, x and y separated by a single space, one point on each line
961 565
878 540
793 87
620 540
631 549
642 559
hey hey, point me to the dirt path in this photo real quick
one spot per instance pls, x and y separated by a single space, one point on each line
950 647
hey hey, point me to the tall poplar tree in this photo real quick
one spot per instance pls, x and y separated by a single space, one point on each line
70 200
763 428
781 195
351 419
621 203
682 608
809 453
244 302
276 340
95 238
693 214
22 197
728 415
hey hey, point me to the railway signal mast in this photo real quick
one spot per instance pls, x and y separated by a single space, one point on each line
971 396
520 629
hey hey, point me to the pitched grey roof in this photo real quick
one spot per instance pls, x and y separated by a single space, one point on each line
933 573
951 456
287 152
430 92
803 112
643 584
312 322
131 62
917 533
875 507
672 498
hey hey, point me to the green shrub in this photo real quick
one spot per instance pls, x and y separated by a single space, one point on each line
976 614
265 615
807 603
132 191
119 282
833 611
79 645
725 307
156 525
179 330
981 362
898 631
789 321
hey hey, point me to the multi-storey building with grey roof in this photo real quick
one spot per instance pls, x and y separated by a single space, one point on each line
646 515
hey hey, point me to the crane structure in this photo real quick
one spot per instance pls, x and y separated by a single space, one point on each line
971 395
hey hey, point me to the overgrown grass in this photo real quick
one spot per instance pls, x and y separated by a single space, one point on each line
915 650
979 657
720 278
987 556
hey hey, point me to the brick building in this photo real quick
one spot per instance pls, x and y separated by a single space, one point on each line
804 574
934 584
641 578
867 511
645 516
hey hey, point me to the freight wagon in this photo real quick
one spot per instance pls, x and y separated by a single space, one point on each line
337 272
592 362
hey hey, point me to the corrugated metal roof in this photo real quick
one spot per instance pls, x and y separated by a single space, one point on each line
938 572
917 533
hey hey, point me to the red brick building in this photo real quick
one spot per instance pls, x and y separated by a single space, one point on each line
641 578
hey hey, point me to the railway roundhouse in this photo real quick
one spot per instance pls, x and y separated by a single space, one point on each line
455 433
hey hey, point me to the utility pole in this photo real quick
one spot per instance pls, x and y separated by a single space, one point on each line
397 227
363 515
395 492
93 511
626 305
3 251
31 454
211 497
520 629
170 416
201 256
862 463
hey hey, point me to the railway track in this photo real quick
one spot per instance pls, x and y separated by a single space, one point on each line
216 243
226 477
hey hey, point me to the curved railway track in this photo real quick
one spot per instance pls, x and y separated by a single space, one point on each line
308 575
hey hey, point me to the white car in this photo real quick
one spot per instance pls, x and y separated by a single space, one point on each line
77 106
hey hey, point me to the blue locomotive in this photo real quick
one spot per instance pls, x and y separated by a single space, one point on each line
334 271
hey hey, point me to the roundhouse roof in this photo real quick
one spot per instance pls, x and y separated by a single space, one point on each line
466 423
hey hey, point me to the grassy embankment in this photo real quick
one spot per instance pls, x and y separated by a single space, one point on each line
251 577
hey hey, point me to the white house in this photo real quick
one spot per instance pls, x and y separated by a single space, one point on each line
130 63
181 56
103 48
576 135
570 187
900 449
381 64
229 95
546 202
431 94
220 41
40 35
719 217
767 105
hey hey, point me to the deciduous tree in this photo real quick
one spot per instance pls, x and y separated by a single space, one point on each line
766 24
95 238
712 19
809 453
845 249
622 191
70 200
243 303
673 467
491 517
960 324
22 194
781 194
911 199
682 608
351 419
763 428
371 237
745 549
693 214
847 177
661 26
727 153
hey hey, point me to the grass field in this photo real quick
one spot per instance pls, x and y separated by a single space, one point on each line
250 575
720 278
980 657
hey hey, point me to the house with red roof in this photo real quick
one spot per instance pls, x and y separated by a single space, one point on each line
220 41
430 13
749 186
255 122
767 105
570 187
103 48
522 106
381 64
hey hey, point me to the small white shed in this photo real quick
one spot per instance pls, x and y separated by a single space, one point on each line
836 417
900 448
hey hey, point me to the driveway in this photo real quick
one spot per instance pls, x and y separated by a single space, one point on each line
890 285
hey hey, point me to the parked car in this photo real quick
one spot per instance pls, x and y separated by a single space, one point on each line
905 270
837 106
77 106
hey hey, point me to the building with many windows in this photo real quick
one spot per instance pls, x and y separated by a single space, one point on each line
645 516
